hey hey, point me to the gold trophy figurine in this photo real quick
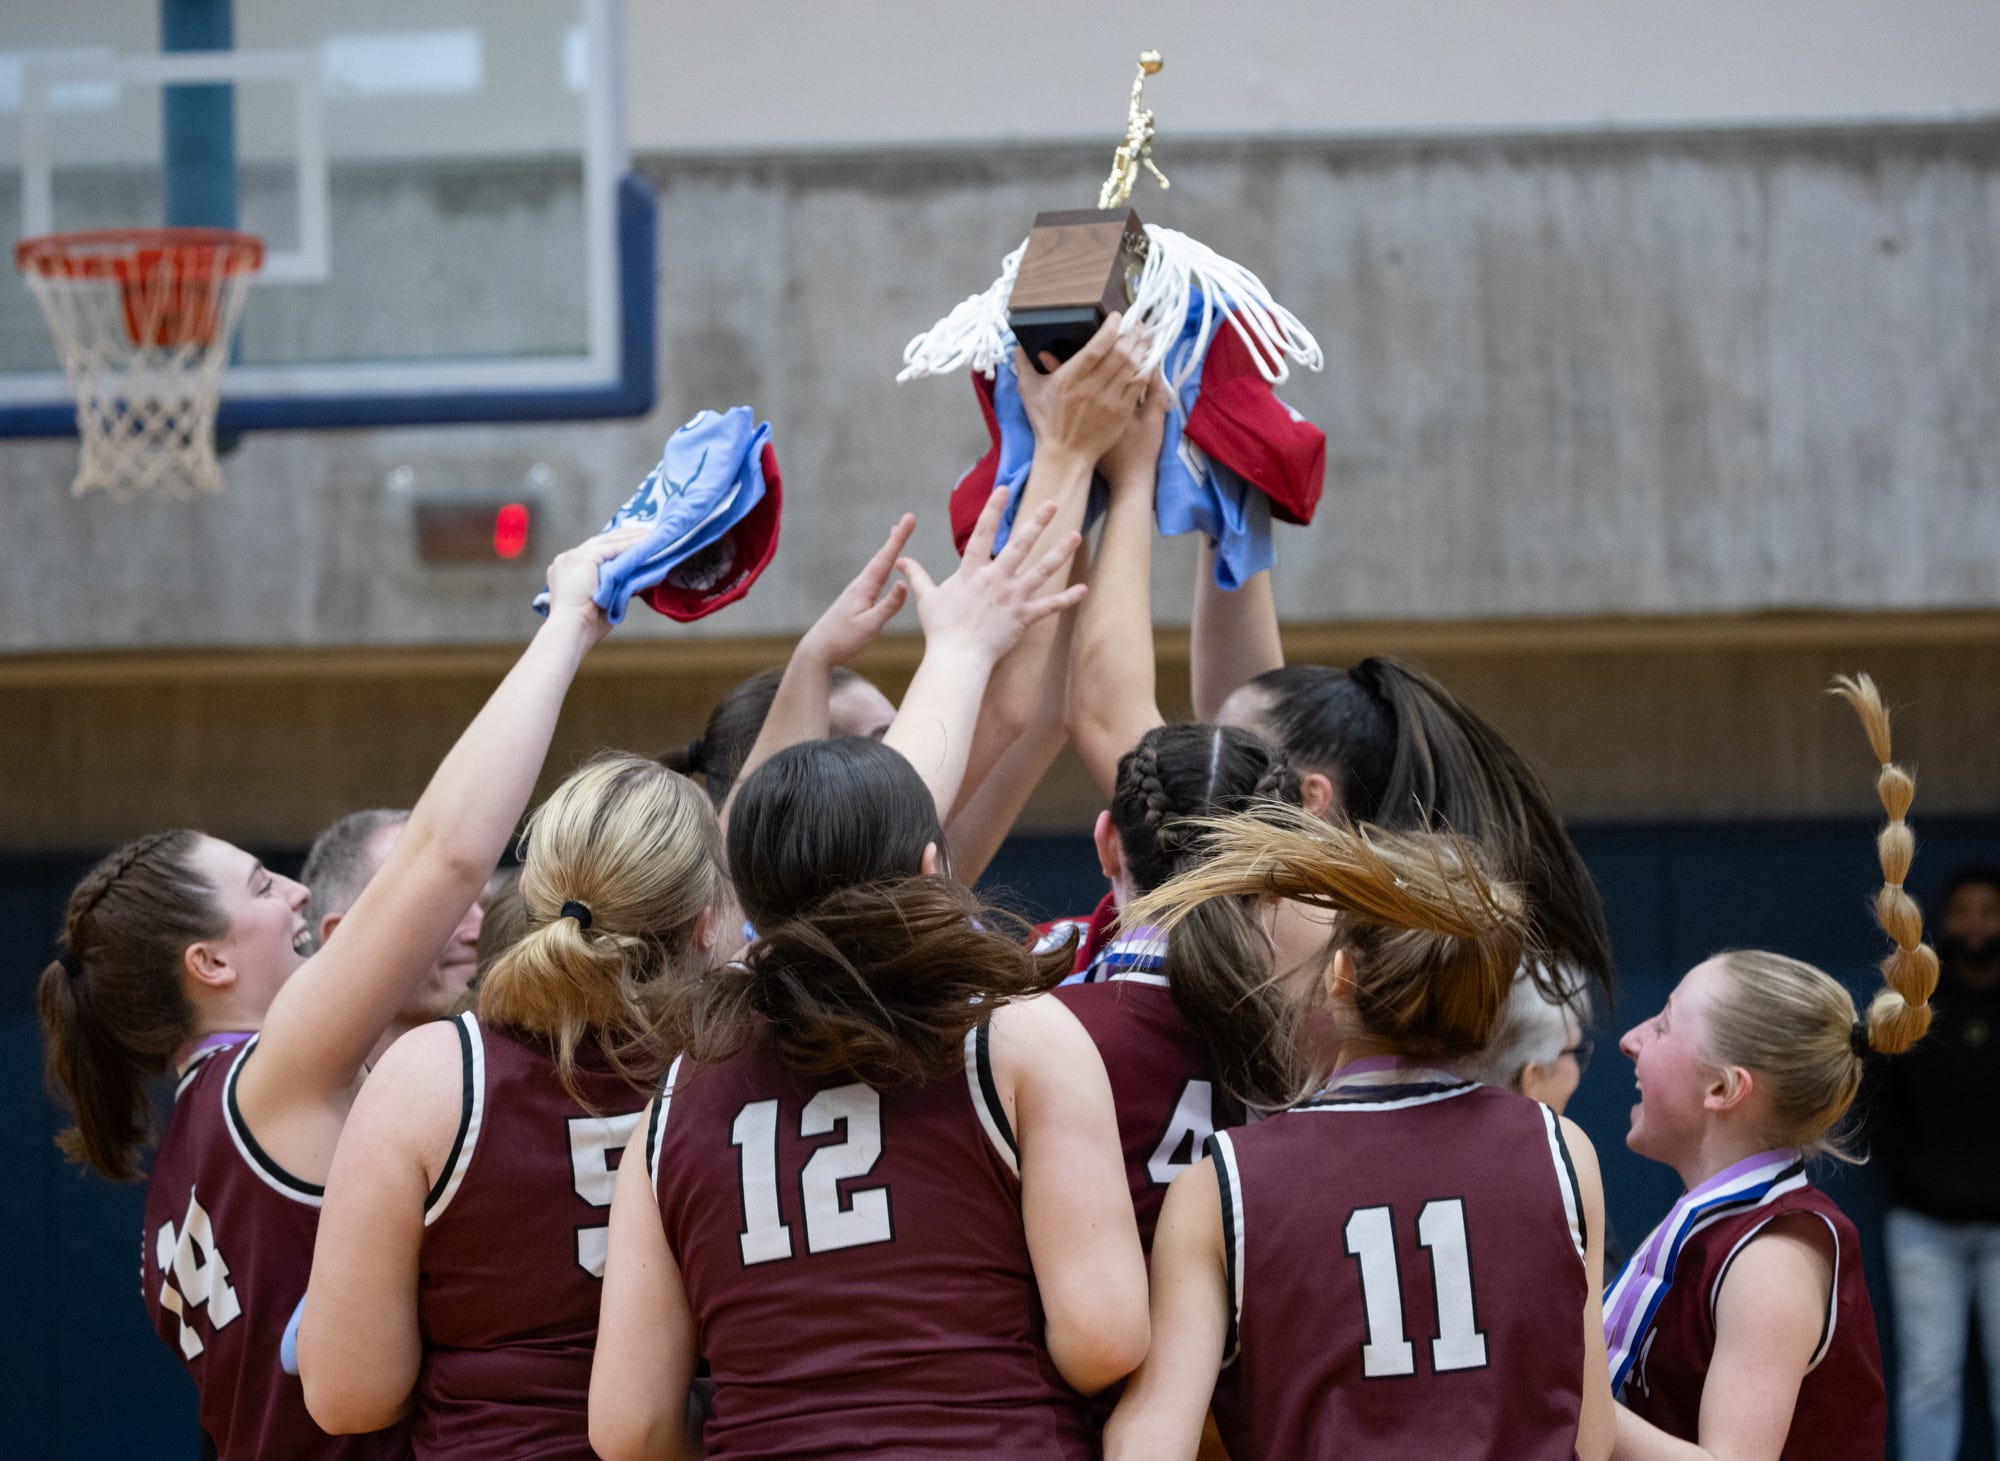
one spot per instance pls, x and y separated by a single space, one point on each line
1136 151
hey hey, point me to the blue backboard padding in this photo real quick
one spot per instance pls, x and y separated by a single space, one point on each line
631 393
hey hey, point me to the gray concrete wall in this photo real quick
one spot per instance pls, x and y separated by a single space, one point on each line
1565 376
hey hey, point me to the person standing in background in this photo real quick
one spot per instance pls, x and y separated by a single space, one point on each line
1937 1127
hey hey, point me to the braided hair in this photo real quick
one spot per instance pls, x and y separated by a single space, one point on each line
1219 961
112 1007
1793 1025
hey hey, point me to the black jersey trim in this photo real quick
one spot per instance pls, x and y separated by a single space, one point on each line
471 1116
194 1068
656 1120
1566 1174
259 1160
1219 1149
1389 1097
986 1096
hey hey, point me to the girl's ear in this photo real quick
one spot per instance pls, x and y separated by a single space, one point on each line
1340 978
1316 793
207 967
1110 851
930 864
1730 1090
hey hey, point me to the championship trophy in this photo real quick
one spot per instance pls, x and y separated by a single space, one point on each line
1234 454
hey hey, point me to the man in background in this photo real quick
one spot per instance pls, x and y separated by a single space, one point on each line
343 858
1937 1124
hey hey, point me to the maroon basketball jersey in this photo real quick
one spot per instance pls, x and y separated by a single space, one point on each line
224 1260
513 1254
1842 1409
856 1263
1406 1260
1161 1082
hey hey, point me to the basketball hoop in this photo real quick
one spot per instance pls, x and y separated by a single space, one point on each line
143 318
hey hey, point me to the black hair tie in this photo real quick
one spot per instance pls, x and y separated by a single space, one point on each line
1857 1039
696 755
577 911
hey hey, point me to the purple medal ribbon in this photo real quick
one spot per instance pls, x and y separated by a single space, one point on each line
1635 1297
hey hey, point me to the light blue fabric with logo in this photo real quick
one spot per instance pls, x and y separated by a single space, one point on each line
709 478
1194 495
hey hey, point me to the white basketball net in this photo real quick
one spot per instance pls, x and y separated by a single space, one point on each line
143 323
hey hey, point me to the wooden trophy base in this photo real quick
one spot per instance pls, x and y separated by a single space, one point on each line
1080 265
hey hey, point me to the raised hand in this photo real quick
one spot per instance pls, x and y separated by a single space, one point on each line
1083 406
983 609
572 578
852 620
1133 462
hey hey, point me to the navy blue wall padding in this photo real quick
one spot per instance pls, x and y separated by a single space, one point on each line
82 1374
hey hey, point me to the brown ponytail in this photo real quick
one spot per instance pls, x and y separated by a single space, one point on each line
1900 1014
862 964
621 860
112 1008
1434 939
1219 961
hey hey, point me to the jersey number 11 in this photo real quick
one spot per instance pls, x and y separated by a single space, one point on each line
1371 1238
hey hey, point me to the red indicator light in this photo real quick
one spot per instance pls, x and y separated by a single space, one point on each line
510 530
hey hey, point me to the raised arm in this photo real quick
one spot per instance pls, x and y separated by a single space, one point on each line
1079 411
970 620
849 625
1233 638
645 1358
1082 1238
294 1091
1113 697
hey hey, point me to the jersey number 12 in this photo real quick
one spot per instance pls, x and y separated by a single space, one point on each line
830 1223
1371 1238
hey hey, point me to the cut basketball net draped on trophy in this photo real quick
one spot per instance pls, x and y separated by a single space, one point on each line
1233 453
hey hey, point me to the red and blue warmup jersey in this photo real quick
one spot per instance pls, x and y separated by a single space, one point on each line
1406 1265
1842 1410
511 1269
225 1256
856 1264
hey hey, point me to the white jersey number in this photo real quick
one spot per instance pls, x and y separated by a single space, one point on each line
1371 1238
192 1274
593 1141
1189 1129
864 1218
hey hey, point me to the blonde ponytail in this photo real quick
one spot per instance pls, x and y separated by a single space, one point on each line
1900 1014
1434 938
622 859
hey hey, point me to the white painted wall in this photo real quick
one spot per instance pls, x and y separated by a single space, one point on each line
762 74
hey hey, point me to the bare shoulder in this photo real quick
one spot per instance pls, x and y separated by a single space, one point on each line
1038 1033
1581 1153
1780 1283
414 1093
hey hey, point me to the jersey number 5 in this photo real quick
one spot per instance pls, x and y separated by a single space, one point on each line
593 1142
1371 1237
830 1224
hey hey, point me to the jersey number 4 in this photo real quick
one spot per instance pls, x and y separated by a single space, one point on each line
192 1274
830 1223
1371 1238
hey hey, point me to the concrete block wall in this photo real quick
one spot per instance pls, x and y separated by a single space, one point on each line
1675 373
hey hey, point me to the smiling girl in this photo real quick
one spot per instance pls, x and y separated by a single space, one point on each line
184 957
1741 1328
